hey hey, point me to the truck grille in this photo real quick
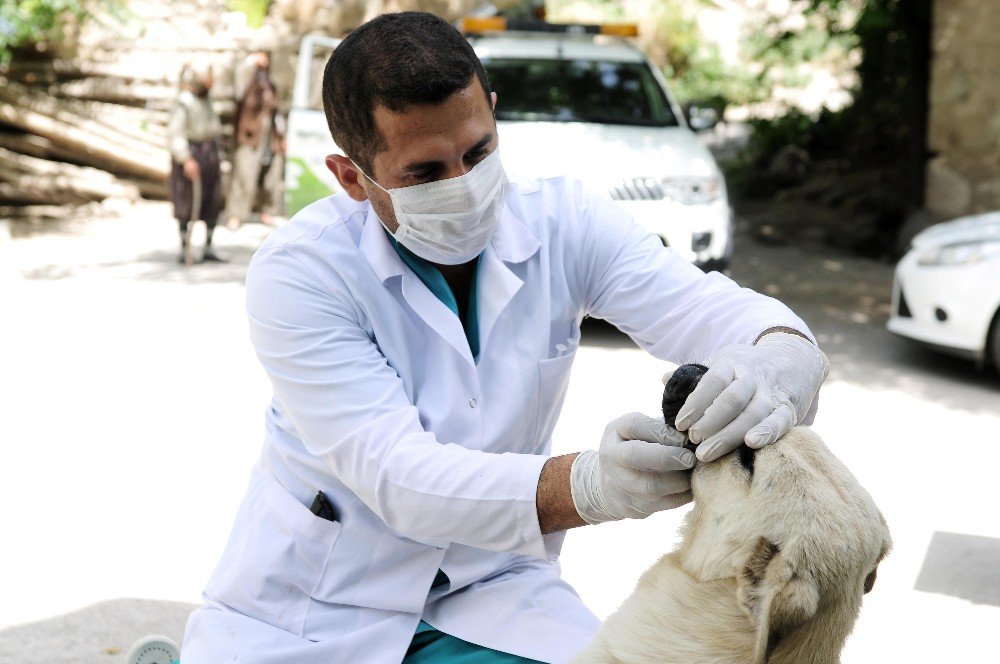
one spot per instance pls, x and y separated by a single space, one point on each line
638 189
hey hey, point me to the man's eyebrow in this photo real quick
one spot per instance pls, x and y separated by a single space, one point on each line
419 166
482 142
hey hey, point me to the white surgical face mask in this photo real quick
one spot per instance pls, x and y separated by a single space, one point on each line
450 221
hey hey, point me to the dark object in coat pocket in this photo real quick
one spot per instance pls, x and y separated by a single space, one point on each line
323 508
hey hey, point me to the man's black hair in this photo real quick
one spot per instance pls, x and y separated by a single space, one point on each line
395 60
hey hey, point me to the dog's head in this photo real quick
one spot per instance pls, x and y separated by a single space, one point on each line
796 531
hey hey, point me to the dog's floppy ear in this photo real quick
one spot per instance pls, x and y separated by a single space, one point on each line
776 593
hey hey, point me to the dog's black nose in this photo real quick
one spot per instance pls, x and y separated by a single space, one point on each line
675 393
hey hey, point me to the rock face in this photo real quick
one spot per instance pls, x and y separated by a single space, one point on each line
964 125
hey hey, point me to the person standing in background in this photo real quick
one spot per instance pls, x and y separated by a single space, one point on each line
195 177
258 161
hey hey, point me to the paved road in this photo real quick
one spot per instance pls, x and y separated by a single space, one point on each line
133 411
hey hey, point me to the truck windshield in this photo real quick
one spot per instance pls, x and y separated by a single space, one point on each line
578 91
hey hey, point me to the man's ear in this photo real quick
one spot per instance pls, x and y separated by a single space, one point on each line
493 98
347 175
776 593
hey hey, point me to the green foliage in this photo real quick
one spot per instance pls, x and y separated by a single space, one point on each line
27 22
703 76
562 11
868 160
693 65
770 135
781 47
255 10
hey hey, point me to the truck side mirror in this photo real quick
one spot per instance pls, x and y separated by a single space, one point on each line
702 118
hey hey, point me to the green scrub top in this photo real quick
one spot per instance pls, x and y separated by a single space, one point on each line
429 645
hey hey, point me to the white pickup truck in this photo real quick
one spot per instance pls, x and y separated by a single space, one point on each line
585 105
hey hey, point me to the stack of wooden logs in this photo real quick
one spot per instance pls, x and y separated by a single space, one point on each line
74 133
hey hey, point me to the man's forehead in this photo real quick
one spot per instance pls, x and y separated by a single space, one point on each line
464 117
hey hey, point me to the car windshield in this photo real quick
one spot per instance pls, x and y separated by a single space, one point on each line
578 91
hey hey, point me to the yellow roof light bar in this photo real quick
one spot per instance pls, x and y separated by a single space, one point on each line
472 25
620 29
482 24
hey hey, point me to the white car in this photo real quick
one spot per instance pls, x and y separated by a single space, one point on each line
946 291
589 106
595 108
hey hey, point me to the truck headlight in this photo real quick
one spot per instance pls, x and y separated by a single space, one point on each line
691 190
960 253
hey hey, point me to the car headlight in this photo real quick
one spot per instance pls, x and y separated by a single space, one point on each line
692 191
960 253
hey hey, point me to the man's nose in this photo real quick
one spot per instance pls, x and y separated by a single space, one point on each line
456 168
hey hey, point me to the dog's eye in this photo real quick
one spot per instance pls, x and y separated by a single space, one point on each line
870 581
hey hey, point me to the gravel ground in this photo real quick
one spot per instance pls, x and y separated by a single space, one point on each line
134 410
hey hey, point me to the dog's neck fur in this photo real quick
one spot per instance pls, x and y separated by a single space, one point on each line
819 641
717 632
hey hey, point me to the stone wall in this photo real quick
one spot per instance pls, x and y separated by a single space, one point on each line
963 176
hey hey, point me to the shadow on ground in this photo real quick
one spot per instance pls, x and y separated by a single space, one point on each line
157 266
964 566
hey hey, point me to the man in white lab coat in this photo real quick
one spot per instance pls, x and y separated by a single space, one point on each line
418 330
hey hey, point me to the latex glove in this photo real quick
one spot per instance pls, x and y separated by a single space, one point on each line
752 394
640 468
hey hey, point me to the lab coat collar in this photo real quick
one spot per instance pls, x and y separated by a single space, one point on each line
512 240
376 247
512 243
386 263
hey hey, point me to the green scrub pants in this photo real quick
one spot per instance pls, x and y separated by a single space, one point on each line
430 646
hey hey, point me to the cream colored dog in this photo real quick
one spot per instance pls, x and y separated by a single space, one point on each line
775 555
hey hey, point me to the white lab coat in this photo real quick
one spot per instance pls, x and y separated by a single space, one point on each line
431 458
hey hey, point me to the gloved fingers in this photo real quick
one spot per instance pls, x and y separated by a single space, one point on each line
641 508
774 426
674 500
622 423
636 426
727 406
732 434
638 455
654 485
666 377
716 379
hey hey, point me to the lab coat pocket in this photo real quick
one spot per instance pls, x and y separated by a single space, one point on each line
275 557
553 379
